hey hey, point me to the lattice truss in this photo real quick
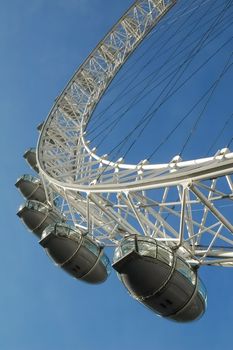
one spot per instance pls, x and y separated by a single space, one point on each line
185 204
63 150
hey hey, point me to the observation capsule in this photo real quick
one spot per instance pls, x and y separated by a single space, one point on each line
37 216
31 188
40 126
160 279
76 253
30 156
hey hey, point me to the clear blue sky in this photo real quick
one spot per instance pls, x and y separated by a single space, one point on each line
42 43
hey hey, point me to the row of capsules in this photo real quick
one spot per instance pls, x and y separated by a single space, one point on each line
71 248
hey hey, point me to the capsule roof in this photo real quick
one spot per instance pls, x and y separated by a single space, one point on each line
60 230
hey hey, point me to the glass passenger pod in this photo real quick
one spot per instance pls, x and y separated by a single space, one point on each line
76 253
160 279
37 216
31 188
40 126
30 156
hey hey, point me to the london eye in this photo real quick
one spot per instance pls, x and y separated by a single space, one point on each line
162 221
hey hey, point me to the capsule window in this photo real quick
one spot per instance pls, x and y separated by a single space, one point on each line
117 254
147 249
164 255
202 290
186 270
91 247
127 247
104 259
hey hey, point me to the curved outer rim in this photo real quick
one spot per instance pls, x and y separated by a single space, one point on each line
186 177
176 171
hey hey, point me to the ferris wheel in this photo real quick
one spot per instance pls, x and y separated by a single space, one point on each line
163 221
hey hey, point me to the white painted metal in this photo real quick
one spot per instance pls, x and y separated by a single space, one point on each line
182 203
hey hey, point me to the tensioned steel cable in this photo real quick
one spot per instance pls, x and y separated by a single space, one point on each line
230 142
159 48
215 141
198 118
112 123
184 12
181 121
137 97
166 22
173 130
147 118
187 114
194 51
151 76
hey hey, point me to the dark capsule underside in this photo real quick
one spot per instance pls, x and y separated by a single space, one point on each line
77 255
37 216
162 281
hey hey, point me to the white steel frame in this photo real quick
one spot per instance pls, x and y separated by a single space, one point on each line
178 203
